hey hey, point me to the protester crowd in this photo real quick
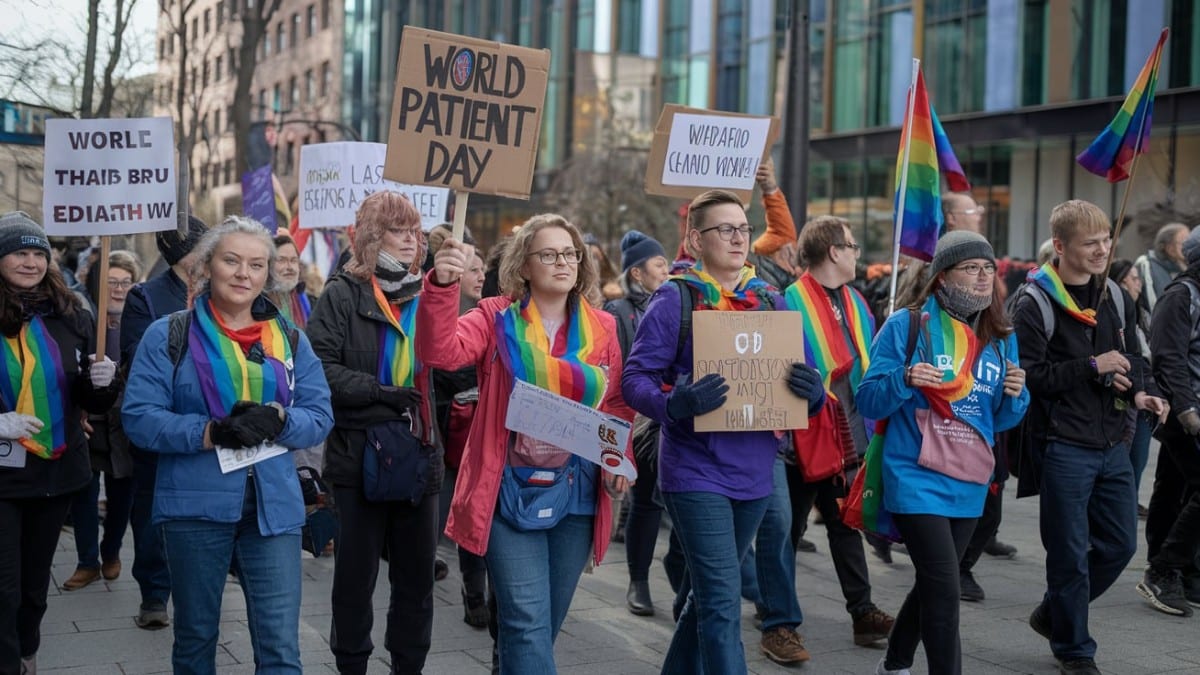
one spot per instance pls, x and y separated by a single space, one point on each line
239 416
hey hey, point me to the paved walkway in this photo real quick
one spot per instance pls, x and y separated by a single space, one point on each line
91 631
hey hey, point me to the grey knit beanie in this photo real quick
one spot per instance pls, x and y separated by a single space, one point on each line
1191 247
957 246
18 231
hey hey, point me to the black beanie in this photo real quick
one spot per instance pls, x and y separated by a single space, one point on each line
19 231
173 247
637 248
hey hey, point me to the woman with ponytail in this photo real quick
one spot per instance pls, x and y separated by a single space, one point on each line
207 386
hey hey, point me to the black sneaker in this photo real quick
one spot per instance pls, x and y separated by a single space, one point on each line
999 549
1191 589
1078 667
1163 588
882 548
1039 620
805 546
968 588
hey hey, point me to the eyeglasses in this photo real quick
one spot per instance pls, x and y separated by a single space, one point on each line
974 269
978 210
854 247
571 256
113 283
726 231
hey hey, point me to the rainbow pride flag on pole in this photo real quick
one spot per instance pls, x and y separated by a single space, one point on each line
1113 151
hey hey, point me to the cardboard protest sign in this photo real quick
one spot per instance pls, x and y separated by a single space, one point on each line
336 177
109 176
467 113
754 352
696 150
258 196
595 436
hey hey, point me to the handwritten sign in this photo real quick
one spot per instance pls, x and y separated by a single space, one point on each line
572 426
258 196
696 150
754 352
336 177
233 459
109 176
467 113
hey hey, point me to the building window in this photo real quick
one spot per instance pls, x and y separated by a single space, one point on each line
204 76
955 55
324 13
277 98
1035 67
629 26
195 31
326 79
262 103
207 21
228 171
293 92
295 30
220 13
1099 63
585 26
216 174
309 83
311 23
675 52
162 49
229 118
232 60
217 69
266 44
216 118
279 38
730 53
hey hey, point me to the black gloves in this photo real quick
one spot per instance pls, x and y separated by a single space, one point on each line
805 382
248 425
702 396
400 399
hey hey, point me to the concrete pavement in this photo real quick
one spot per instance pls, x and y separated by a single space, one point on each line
91 631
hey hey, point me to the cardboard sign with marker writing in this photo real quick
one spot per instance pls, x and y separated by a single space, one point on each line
754 352
335 178
696 150
467 113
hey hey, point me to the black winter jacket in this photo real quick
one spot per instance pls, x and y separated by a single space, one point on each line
72 471
1070 404
344 332
1175 345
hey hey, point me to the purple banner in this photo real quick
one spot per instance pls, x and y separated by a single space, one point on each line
258 197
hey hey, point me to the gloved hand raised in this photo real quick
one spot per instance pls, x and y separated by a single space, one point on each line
14 425
400 399
102 372
805 382
702 396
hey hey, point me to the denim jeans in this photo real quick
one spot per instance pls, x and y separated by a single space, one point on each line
1089 531
199 554
85 512
715 533
775 559
534 575
149 557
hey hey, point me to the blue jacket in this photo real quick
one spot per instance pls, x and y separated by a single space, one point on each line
907 486
164 412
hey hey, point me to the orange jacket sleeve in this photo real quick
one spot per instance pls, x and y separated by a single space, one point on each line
780 228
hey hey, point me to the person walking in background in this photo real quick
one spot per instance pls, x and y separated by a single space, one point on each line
290 294
158 296
363 329
960 375
109 449
533 509
1158 266
248 379
1128 277
47 381
644 268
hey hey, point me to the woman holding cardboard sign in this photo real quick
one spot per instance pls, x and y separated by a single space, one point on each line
43 452
221 392
533 509
943 375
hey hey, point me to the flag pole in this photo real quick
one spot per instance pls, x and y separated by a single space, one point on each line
1120 221
898 217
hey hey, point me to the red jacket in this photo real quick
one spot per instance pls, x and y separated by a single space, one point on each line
447 341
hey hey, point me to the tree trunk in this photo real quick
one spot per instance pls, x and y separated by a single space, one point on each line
121 17
89 59
255 20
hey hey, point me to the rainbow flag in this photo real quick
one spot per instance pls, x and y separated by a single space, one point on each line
1112 153
921 222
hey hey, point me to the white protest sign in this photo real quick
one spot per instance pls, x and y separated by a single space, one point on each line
232 459
336 177
570 425
713 151
109 176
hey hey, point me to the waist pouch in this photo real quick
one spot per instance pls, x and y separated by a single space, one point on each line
535 498
395 463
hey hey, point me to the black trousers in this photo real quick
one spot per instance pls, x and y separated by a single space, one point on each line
985 528
929 614
845 543
410 535
1175 509
29 529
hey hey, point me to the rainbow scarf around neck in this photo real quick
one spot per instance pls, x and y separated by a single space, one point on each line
397 350
824 341
296 308
527 350
1046 277
226 375
953 343
33 383
746 296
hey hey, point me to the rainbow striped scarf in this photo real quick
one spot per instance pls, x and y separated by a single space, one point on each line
226 375
1046 277
527 351
953 343
397 352
824 342
295 307
748 295
34 384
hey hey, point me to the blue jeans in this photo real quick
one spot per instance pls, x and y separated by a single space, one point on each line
534 575
1089 531
715 532
86 514
775 559
199 554
149 558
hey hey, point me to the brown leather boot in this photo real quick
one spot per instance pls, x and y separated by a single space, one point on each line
82 577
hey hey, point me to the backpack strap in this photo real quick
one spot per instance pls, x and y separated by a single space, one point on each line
686 303
910 345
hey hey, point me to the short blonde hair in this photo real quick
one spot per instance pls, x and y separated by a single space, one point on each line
518 249
1076 216
706 200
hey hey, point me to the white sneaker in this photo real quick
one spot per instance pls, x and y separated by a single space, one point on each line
880 670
